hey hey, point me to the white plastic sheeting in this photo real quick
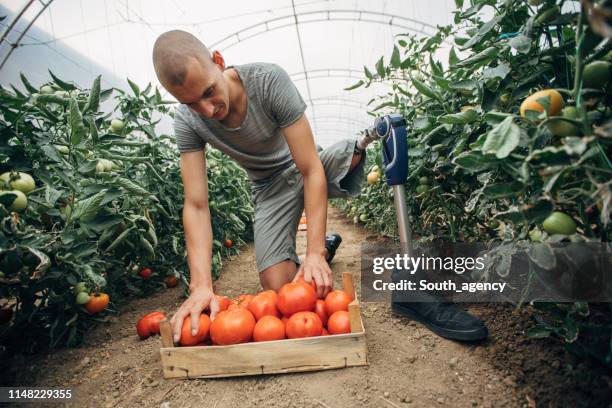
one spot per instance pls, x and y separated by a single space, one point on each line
323 44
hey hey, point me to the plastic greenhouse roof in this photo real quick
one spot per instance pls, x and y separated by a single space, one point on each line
322 44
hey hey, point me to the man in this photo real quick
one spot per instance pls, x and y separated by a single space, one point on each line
255 114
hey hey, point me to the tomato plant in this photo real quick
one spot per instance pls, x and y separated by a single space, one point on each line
511 131
90 194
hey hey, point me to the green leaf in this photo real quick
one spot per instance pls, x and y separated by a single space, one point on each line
500 71
77 129
402 43
503 190
483 31
539 331
521 43
51 195
396 60
27 84
464 85
380 67
105 94
424 89
93 102
529 213
132 187
480 59
473 161
367 72
355 86
382 105
453 59
64 85
52 153
134 87
436 69
460 118
87 209
502 139
93 130
459 4
494 117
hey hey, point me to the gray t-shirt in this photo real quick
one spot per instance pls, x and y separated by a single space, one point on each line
273 102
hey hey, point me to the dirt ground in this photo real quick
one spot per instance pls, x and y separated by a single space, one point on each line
408 365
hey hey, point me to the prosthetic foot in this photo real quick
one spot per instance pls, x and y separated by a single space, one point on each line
332 242
443 318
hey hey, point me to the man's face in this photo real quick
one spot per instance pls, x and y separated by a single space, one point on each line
204 90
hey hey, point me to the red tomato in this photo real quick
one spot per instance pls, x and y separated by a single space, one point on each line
296 297
269 328
263 305
233 326
203 329
270 293
337 300
339 323
145 273
223 301
97 303
149 324
243 300
304 324
320 311
171 281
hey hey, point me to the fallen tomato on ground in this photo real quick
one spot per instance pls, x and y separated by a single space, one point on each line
148 325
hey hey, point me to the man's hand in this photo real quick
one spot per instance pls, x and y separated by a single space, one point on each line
198 300
314 267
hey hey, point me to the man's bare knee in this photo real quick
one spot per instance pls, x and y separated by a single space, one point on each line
277 275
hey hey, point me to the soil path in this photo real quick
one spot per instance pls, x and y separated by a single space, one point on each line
408 365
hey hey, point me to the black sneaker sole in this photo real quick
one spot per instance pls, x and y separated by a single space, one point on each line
477 334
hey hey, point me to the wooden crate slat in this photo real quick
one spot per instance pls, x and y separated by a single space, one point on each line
315 353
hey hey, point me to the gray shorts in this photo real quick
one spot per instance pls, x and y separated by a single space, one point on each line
280 203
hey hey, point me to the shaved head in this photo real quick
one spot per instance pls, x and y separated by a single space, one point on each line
173 52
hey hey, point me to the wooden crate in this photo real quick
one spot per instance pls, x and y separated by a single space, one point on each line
270 357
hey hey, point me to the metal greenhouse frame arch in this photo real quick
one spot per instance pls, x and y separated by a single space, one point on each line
320 16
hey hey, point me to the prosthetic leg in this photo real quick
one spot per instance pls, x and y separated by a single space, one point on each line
441 317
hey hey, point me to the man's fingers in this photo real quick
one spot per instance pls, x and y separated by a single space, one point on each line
177 325
320 282
214 309
327 283
195 321
308 274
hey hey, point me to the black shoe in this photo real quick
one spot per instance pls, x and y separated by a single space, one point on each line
443 318
332 242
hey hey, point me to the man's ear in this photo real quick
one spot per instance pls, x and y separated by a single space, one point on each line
218 59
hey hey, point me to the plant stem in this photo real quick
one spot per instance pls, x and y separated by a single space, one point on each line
577 91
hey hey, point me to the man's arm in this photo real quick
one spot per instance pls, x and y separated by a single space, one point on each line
198 237
301 143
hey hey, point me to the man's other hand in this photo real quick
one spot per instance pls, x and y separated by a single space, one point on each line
315 267
199 299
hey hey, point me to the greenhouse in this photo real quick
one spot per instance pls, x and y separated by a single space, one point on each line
306 203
